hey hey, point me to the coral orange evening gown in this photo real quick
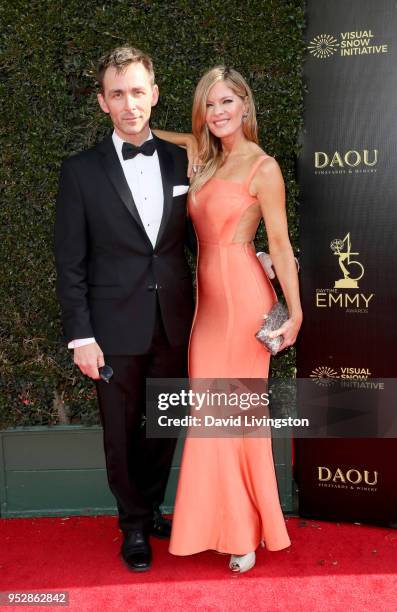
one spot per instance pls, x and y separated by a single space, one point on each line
227 498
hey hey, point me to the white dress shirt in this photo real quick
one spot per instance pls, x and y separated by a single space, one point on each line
143 177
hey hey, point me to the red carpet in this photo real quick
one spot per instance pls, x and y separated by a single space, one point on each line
332 567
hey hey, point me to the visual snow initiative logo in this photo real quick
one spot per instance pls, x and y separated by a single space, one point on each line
323 45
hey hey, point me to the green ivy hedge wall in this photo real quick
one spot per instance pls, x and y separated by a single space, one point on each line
49 110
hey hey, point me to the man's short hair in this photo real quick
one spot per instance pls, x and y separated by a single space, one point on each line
120 58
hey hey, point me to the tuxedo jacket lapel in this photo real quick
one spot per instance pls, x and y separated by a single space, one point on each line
115 173
166 169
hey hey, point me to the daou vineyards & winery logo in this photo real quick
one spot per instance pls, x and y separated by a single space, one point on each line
349 161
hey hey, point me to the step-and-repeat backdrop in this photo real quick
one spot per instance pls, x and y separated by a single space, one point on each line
348 180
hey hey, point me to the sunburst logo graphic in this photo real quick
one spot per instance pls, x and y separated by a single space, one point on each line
323 46
324 375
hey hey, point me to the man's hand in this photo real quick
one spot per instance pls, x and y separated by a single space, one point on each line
89 358
267 264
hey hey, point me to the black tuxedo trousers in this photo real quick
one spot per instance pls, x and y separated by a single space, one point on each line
135 299
138 467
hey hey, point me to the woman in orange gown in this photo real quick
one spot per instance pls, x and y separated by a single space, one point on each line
227 498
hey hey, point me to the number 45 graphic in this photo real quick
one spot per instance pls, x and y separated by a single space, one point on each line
352 270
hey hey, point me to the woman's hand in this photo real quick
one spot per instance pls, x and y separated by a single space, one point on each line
289 330
188 142
192 155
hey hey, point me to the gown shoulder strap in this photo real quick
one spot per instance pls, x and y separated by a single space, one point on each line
254 168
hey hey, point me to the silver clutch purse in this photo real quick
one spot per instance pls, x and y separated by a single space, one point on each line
277 316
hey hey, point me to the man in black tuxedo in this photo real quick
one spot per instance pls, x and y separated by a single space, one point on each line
125 287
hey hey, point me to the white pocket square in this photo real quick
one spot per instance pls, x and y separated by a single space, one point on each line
179 190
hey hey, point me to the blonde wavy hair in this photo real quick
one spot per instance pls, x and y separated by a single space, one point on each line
210 148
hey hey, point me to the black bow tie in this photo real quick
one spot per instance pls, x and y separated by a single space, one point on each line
129 150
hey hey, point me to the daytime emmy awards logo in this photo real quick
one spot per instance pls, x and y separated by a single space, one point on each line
348 44
342 249
352 271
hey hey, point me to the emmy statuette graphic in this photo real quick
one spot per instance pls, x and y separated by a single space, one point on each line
352 270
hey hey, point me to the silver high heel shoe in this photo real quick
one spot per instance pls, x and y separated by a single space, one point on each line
242 563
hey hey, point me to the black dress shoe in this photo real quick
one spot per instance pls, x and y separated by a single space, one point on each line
161 527
136 551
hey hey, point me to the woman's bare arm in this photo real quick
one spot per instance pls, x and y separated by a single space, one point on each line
268 186
185 140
